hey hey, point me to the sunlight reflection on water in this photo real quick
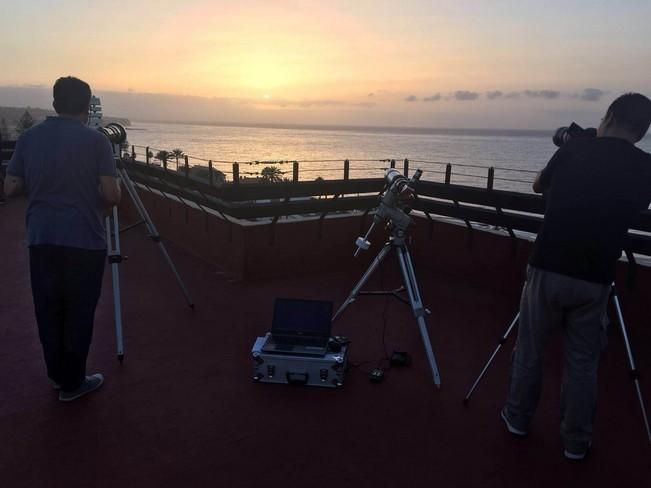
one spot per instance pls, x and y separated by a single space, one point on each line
509 153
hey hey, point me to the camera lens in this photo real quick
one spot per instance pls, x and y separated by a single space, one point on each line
115 133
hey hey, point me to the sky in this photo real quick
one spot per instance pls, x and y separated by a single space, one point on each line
446 63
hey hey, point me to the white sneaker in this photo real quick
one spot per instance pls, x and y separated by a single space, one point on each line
91 383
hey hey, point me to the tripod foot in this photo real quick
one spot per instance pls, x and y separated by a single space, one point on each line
191 305
121 358
466 401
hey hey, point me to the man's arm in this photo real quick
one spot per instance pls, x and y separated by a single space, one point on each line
544 177
14 185
537 185
109 189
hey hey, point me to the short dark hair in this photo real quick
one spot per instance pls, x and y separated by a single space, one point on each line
633 112
71 95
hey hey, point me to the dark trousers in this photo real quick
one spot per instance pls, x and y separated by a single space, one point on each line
66 284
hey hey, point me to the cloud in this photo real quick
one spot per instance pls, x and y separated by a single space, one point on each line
592 94
433 98
492 95
512 95
464 95
546 94
411 98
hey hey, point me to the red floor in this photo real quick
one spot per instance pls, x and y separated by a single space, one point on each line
183 411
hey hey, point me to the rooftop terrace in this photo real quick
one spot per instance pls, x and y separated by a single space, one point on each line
183 411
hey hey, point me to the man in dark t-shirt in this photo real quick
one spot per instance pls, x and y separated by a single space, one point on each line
69 175
594 189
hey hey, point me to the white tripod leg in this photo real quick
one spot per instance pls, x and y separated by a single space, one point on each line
115 258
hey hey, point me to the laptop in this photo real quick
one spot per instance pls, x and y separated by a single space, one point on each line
300 327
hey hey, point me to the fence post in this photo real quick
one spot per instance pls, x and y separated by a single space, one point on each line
346 169
210 179
165 164
147 155
187 167
133 152
491 176
236 174
406 172
295 172
393 163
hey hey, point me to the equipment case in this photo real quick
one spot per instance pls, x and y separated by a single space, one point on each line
325 371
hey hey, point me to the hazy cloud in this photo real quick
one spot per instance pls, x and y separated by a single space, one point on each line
411 98
546 94
492 95
592 94
512 95
464 95
433 98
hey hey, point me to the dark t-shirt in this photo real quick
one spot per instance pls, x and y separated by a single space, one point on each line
594 190
61 161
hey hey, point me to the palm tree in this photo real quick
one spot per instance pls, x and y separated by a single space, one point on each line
177 153
271 174
25 122
163 156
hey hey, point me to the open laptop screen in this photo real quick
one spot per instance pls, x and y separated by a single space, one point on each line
302 317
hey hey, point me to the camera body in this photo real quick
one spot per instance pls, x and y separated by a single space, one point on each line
574 131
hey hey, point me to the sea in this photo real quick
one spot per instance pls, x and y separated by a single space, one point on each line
320 151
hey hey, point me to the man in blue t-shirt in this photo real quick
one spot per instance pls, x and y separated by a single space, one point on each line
68 172
594 189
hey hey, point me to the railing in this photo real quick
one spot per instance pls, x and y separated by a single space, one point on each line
485 205
236 172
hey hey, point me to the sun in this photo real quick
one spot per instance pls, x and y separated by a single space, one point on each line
266 96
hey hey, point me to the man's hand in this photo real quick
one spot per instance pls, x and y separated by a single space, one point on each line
109 189
13 185
537 185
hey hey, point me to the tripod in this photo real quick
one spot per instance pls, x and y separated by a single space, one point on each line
397 242
115 257
631 363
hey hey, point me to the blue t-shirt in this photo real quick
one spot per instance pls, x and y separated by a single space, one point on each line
61 161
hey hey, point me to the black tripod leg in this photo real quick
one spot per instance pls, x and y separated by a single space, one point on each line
153 232
490 360
376 262
633 371
411 285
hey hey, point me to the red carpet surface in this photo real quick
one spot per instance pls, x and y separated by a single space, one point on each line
183 410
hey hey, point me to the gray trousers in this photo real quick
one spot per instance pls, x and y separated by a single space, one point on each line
553 302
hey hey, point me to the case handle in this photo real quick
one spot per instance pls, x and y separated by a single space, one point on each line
294 378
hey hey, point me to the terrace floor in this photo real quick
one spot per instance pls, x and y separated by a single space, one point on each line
183 411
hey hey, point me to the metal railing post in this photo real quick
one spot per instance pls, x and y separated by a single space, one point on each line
491 177
448 173
236 174
346 169
147 155
295 172
187 167
133 152
406 172
393 163
210 178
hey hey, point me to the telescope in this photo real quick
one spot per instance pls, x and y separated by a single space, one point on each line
399 192
115 133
